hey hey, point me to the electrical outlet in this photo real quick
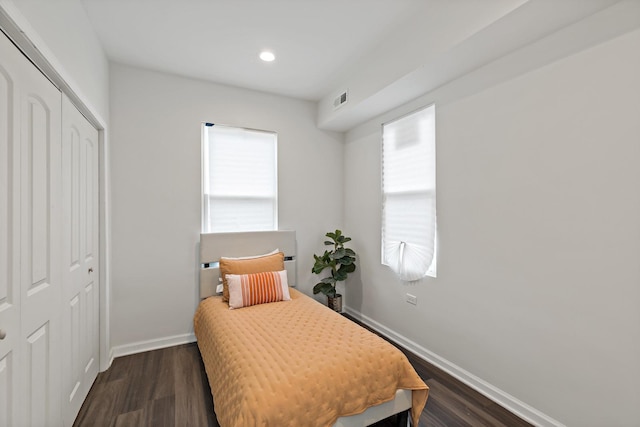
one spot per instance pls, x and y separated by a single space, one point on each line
412 299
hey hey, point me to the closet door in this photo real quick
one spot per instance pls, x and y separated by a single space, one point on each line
80 257
40 303
33 363
10 374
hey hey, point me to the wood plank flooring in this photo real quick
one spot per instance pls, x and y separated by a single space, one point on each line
166 387
169 387
452 403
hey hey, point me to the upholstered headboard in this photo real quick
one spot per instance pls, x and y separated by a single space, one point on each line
216 245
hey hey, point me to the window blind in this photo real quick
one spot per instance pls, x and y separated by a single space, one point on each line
409 195
239 179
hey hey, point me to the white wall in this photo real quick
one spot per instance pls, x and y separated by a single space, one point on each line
156 121
539 218
64 29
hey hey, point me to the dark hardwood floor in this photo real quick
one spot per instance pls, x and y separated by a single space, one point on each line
169 387
452 403
166 387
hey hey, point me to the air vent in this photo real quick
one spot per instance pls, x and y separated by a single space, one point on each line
340 100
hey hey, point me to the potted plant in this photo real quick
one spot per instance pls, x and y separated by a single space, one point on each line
341 261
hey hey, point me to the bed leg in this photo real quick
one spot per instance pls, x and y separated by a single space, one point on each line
402 419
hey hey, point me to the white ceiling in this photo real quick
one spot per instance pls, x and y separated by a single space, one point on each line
385 53
315 41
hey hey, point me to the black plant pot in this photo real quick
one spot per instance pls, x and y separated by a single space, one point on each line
335 303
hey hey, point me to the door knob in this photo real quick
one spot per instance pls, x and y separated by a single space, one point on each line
2 334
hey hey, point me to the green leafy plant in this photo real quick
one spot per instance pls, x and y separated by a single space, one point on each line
341 261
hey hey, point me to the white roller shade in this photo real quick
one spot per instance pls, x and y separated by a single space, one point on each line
409 190
239 179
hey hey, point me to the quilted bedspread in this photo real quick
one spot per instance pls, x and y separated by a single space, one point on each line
297 363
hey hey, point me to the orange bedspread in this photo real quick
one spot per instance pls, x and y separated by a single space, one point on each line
297 363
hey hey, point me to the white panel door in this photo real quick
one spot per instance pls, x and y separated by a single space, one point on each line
80 257
10 375
30 365
40 296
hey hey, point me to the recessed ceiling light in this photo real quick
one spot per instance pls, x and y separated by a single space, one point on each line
267 56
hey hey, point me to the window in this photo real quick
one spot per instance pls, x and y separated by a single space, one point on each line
409 195
239 179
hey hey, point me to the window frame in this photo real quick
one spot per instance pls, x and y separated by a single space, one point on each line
205 198
429 193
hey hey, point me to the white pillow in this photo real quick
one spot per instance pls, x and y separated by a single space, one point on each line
275 251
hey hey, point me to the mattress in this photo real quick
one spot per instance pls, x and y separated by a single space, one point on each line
297 363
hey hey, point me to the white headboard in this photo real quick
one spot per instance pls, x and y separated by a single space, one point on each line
216 245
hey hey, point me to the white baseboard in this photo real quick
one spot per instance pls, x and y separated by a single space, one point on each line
502 398
155 344
111 357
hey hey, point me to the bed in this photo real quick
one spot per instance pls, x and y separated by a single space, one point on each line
293 362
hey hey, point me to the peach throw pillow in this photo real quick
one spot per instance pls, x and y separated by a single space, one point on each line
259 264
